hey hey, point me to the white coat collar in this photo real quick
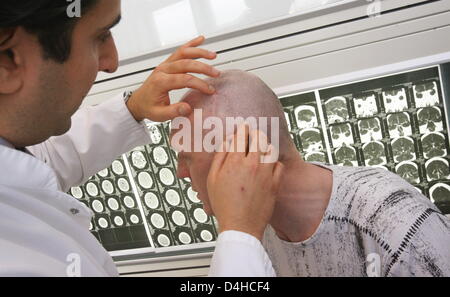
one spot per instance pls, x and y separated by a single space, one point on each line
5 143
22 170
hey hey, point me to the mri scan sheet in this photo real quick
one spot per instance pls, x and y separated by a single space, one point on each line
396 122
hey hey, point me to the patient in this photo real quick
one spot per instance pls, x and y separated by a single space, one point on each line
328 220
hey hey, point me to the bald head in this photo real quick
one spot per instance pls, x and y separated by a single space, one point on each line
240 94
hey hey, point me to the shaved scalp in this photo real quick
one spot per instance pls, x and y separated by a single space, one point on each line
242 94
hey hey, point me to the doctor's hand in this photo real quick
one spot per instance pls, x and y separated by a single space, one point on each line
242 190
151 101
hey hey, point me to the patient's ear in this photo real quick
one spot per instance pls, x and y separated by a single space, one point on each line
10 62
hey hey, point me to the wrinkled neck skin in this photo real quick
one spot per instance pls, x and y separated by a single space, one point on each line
303 197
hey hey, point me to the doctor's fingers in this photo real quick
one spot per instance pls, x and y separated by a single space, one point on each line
238 143
186 65
191 53
259 146
169 82
277 173
264 156
194 42
218 162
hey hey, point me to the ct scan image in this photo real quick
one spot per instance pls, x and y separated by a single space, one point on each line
397 122
395 100
337 110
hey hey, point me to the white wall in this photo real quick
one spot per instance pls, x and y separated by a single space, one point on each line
157 24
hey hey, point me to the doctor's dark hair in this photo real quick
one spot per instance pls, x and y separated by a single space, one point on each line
47 20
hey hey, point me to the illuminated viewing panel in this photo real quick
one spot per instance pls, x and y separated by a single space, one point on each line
398 123
139 202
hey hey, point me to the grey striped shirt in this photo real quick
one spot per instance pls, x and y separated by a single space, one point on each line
376 224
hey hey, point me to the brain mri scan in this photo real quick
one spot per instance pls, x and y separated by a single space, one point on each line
172 197
155 134
145 180
395 100
103 173
166 176
426 94
440 195
399 125
430 120
370 129
138 159
403 149
374 153
346 156
160 155
92 189
316 157
311 140
341 134
107 187
77 192
433 145
366 106
336 109
408 171
306 117
117 167
437 169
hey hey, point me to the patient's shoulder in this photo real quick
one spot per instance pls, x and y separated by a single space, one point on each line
366 195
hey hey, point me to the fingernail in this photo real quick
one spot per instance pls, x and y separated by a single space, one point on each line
182 111
215 72
264 146
212 89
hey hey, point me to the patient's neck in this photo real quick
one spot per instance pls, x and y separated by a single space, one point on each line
303 197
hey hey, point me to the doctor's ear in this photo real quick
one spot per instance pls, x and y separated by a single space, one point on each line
10 78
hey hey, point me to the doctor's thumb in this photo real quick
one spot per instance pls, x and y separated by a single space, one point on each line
167 113
182 109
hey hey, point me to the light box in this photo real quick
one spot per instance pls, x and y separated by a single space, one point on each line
397 122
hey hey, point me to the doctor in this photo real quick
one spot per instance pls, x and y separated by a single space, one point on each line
48 63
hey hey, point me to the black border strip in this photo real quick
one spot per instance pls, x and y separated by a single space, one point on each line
163 270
